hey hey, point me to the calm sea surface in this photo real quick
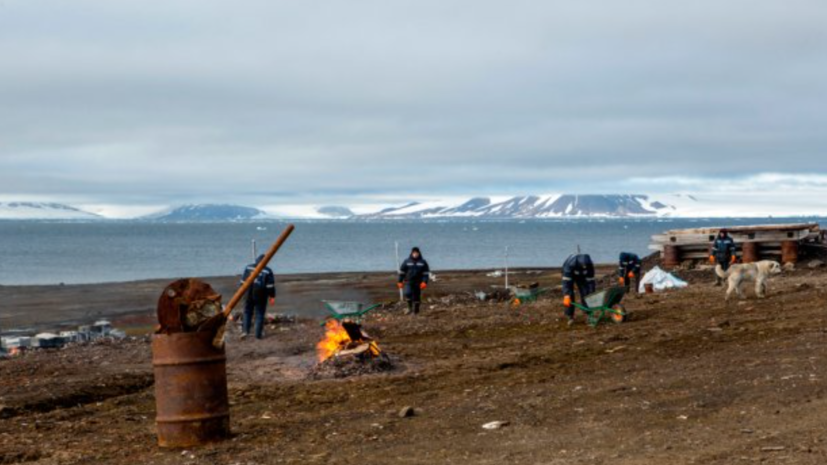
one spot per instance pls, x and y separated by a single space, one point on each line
75 253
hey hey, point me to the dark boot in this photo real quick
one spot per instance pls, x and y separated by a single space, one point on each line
569 313
410 308
416 308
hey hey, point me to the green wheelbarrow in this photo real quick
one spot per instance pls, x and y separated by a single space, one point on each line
604 304
526 295
340 310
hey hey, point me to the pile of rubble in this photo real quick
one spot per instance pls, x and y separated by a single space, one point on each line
345 367
101 330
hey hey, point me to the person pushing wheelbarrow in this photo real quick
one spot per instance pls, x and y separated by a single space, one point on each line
577 270
414 274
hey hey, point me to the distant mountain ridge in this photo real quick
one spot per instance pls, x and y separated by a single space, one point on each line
555 206
208 213
532 206
43 211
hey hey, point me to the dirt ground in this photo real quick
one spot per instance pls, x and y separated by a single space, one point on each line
46 308
689 379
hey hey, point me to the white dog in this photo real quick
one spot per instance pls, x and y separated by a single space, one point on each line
759 272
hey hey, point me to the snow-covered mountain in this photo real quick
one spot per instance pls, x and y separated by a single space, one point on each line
43 211
335 212
208 213
525 207
751 205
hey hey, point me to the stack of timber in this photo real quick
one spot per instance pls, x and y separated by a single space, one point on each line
779 242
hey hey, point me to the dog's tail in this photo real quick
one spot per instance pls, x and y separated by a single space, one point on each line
719 270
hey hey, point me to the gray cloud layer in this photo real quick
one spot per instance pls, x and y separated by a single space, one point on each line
153 102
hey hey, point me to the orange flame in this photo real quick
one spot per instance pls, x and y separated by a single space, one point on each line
335 339
374 349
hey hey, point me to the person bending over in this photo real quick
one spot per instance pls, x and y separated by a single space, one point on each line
578 270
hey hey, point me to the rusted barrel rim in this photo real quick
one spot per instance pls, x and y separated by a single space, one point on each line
189 418
174 363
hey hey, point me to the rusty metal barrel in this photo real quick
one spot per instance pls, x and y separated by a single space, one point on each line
190 389
789 252
671 256
750 252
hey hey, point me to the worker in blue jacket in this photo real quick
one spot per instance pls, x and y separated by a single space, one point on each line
414 275
578 270
628 269
262 290
723 253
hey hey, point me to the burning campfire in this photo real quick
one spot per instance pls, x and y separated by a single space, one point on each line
346 350
345 339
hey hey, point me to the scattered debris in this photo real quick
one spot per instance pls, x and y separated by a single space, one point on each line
102 329
495 425
278 319
815 264
496 294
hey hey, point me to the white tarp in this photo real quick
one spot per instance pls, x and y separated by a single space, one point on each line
661 280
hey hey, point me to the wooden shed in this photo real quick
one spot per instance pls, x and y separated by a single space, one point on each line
779 242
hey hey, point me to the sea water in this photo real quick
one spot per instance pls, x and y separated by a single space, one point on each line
82 253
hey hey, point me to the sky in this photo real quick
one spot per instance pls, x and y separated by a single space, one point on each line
128 106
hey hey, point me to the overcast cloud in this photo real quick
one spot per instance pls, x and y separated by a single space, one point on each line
262 102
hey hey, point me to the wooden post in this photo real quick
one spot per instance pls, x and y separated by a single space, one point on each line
506 268
398 271
750 252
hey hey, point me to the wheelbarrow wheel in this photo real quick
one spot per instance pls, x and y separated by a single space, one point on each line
618 314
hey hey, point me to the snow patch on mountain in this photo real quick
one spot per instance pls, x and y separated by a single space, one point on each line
209 213
334 211
534 206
